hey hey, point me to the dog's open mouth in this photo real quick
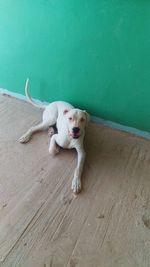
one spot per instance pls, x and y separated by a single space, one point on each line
74 135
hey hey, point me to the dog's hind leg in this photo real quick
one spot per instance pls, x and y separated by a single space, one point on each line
41 126
52 130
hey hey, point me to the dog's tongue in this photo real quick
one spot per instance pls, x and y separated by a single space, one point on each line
75 135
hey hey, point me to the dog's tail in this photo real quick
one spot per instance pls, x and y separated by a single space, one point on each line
30 99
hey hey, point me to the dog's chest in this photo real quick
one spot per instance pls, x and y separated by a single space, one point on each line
62 141
66 143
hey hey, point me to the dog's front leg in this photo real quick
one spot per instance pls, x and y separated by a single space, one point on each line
53 147
76 182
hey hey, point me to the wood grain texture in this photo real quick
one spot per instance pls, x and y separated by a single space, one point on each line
43 224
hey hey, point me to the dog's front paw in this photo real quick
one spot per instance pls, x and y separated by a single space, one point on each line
24 138
76 185
54 151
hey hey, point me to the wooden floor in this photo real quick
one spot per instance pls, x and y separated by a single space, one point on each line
43 224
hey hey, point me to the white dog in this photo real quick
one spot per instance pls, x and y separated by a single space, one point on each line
70 123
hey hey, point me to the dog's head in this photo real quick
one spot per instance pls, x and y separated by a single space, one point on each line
76 121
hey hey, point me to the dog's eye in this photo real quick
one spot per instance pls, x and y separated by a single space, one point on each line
70 119
82 119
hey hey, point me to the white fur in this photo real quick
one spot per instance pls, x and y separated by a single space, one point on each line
66 117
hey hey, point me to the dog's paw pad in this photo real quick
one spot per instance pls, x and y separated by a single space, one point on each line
76 186
51 131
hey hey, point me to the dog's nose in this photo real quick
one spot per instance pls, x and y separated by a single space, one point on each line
75 130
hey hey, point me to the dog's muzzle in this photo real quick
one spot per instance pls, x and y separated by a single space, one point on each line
75 134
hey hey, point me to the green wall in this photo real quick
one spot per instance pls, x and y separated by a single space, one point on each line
93 53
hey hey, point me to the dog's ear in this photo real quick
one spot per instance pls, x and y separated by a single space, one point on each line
65 111
87 117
